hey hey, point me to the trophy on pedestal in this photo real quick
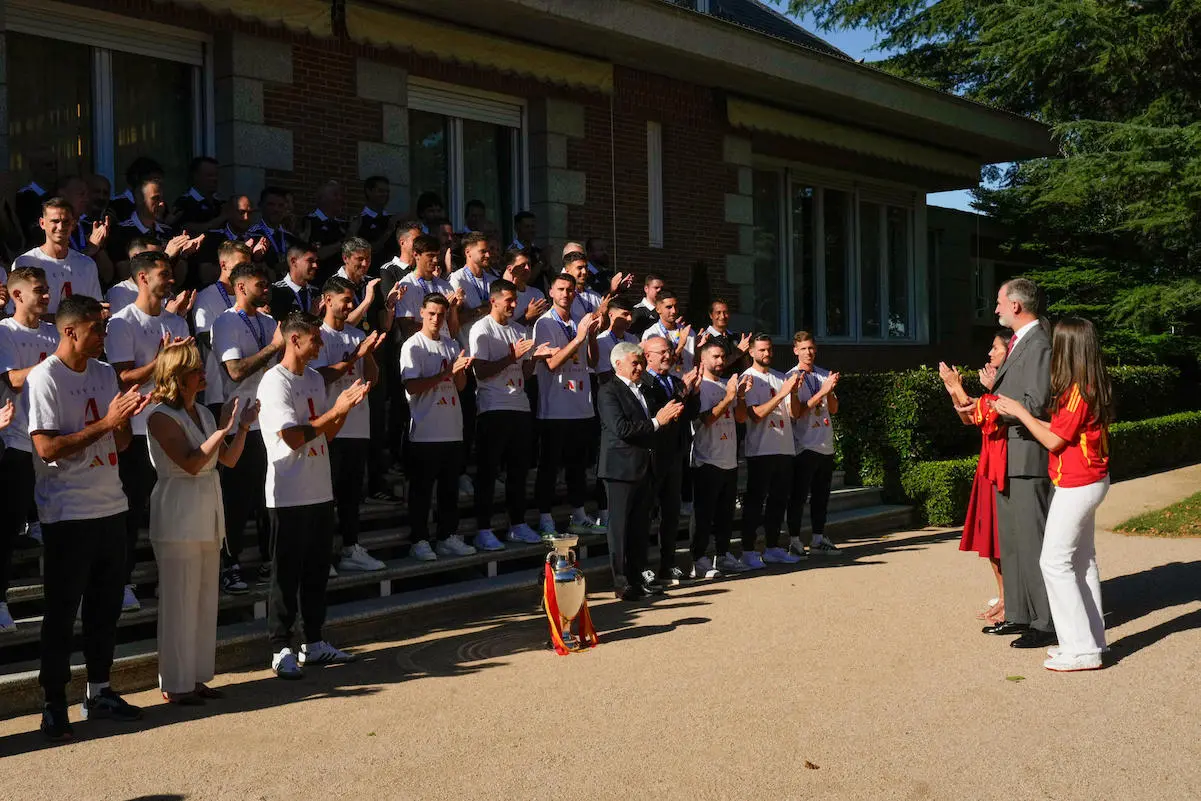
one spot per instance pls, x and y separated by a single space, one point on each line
564 598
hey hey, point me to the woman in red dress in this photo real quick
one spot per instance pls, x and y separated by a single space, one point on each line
980 526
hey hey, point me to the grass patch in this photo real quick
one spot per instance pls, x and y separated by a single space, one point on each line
1181 519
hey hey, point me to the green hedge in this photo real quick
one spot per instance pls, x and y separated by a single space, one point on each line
941 488
888 420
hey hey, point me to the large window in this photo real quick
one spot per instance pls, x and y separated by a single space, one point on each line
98 90
835 260
465 147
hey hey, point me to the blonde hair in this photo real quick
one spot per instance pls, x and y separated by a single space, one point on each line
174 362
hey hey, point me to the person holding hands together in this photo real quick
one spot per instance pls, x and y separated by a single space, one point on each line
813 440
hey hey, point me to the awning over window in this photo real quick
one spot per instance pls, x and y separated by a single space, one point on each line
387 28
302 16
757 117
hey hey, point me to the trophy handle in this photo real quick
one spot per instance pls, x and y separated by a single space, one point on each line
571 556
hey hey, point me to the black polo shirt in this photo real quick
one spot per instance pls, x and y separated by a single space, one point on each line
28 206
279 241
372 226
325 231
120 237
285 298
122 205
194 207
213 239
736 360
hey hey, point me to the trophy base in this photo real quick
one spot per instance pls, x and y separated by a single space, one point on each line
571 641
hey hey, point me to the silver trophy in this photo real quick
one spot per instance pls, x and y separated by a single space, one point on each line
568 584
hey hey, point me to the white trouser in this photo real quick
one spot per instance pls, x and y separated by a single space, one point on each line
187 613
1069 567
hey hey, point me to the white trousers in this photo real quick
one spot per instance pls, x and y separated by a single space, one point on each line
187 613
1069 567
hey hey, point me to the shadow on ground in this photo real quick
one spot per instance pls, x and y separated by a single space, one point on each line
1130 597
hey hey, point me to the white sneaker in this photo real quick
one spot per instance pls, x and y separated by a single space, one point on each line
34 531
322 653
779 556
586 526
332 572
729 564
523 533
753 560
454 546
285 666
1062 663
422 552
797 549
487 541
1055 651
7 624
466 487
703 569
130 602
823 547
355 558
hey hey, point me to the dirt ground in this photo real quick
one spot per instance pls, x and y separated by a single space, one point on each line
863 679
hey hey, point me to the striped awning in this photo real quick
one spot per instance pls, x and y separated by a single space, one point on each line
300 16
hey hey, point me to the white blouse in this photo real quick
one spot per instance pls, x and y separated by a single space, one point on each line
185 507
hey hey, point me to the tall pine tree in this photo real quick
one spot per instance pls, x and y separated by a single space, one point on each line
1116 221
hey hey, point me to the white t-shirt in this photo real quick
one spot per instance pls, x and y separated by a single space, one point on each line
586 301
238 337
565 394
436 415
688 359
418 288
524 298
211 302
22 347
605 342
294 477
715 444
121 295
74 275
134 336
813 431
771 436
475 290
336 346
87 485
490 341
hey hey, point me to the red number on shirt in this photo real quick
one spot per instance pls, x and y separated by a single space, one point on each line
91 413
66 289
312 410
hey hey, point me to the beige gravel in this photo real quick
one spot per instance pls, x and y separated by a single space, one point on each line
872 671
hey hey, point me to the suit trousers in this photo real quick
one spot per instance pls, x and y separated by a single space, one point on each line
1069 568
17 479
713 510
301 539
137 478
427 463
812 477
502 438
348 459
187 613
84 559
768 485
564 443
667 494
1021 521
242 488
629 527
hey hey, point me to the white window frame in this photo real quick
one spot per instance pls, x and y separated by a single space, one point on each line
858 191
104 33
654 183
458 103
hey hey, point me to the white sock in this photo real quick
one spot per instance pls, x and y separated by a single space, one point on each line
95 688
604 516
795 542
545 520
578 514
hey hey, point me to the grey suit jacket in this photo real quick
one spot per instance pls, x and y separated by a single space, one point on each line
1026 377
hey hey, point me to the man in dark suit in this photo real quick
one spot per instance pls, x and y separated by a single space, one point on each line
296 290
659 387
1022 507
627 466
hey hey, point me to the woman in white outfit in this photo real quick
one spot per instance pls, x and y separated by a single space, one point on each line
187 524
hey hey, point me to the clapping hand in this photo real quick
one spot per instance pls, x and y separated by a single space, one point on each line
258 247
692 380
949 375
520 348
370 344
988 376
168 339
545 351
536 308
6 413
744 344
791 383
829 383
369 293
394 295
229 415
620 281
1008 406
125 405
182 303
99 234
352 396
670 411
744 385
249 415
3 295
191 245
461 363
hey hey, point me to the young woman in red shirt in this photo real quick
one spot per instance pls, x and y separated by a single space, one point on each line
1078 438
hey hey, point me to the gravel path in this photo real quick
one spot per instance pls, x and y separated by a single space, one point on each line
867 679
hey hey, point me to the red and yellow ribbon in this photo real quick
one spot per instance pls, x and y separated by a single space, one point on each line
586 632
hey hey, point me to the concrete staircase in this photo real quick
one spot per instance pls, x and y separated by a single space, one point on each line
362 606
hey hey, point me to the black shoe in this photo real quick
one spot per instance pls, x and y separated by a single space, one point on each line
265 571
653 590
635 592
232 582
55 724
110 706
383 498
1006 627
1033 638
671 577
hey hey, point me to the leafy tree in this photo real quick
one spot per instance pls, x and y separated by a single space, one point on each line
1116 221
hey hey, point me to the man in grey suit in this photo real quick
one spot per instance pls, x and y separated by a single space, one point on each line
1022 507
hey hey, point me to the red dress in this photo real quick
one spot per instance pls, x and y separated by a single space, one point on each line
980 527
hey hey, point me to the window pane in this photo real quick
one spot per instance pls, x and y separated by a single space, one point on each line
49 105
429 163
899 273
153 116
803 256
488 172
838 227
869 270
766 302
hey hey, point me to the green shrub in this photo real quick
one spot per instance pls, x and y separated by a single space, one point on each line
941 489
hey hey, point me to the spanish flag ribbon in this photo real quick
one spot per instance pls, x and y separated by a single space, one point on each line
586 632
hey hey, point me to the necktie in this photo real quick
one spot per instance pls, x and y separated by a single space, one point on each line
304 299
1013 340
665 382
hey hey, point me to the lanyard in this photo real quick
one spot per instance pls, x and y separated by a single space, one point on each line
79 239
665 382
225 296
261 336
479 283
568 327
675 340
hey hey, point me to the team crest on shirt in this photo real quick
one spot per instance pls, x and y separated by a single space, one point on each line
724 437
444 401
514 384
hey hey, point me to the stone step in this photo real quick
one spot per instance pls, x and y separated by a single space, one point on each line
244 644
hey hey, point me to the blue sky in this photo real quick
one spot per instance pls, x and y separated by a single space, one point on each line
857 43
